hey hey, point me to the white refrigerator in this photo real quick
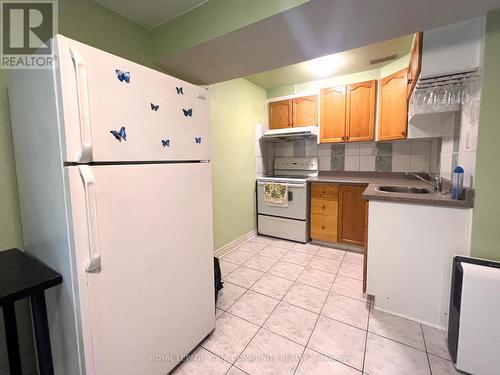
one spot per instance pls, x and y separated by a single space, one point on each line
114 178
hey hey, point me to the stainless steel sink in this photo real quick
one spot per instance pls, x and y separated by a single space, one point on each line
402 189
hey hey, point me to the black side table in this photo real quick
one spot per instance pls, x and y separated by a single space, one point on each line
24 276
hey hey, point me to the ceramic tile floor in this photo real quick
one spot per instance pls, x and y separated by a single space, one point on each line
289 308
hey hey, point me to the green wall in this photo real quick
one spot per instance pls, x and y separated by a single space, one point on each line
91 23
236 106
486 229
88 22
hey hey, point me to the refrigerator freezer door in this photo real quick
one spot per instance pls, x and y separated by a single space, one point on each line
117 110
151 300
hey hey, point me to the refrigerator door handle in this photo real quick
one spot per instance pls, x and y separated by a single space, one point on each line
87 176
83 105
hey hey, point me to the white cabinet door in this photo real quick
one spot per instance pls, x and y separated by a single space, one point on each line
152 299
163 118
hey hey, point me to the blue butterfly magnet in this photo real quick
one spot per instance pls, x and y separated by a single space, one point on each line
165 142
188 112
197 140
119 135
179 90
155 107
122 76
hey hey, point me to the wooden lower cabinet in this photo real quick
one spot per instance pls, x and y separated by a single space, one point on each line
324 227
338 213
352 215
324 211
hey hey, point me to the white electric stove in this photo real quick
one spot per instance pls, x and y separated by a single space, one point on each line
290 222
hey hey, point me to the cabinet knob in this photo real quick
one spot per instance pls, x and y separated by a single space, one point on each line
403 134
322 227
324 207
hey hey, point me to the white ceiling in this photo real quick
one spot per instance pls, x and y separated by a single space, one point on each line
316 28
151 13
352 61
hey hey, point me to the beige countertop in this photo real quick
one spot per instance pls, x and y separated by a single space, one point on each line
376 179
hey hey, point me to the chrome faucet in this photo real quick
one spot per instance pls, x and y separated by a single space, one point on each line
436 183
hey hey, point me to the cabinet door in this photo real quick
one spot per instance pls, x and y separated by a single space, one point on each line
332 116
360 111
415 62
280 114
305 111
352 215
393 106
324 212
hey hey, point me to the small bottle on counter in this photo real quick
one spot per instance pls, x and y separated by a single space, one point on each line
457 183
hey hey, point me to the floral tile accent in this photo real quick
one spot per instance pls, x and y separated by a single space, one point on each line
337 163
383 163
384 148
338 149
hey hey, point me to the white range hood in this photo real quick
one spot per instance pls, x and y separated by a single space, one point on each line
292 133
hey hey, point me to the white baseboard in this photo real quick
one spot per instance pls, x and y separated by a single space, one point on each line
234 244
411 318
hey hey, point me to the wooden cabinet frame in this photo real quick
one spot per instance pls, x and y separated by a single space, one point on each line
347 113
295 112
283 117
393 107
359 115
305 111
353 216
332 109
415 63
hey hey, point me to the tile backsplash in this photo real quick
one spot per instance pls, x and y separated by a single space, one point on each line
399 156
459 148
434 155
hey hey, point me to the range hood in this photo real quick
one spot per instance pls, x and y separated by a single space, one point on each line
292 133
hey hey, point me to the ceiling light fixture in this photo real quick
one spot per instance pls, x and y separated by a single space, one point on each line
324 66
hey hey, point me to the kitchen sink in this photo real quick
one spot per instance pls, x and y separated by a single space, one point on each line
402 189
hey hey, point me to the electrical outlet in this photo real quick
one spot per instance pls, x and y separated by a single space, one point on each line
468 140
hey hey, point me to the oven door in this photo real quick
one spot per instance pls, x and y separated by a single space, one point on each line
297 202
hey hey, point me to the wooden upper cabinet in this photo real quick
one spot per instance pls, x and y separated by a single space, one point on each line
305 111
333 114
280 114
352 215
415 62
393 106
360 111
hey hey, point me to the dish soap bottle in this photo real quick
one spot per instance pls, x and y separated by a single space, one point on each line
457 183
